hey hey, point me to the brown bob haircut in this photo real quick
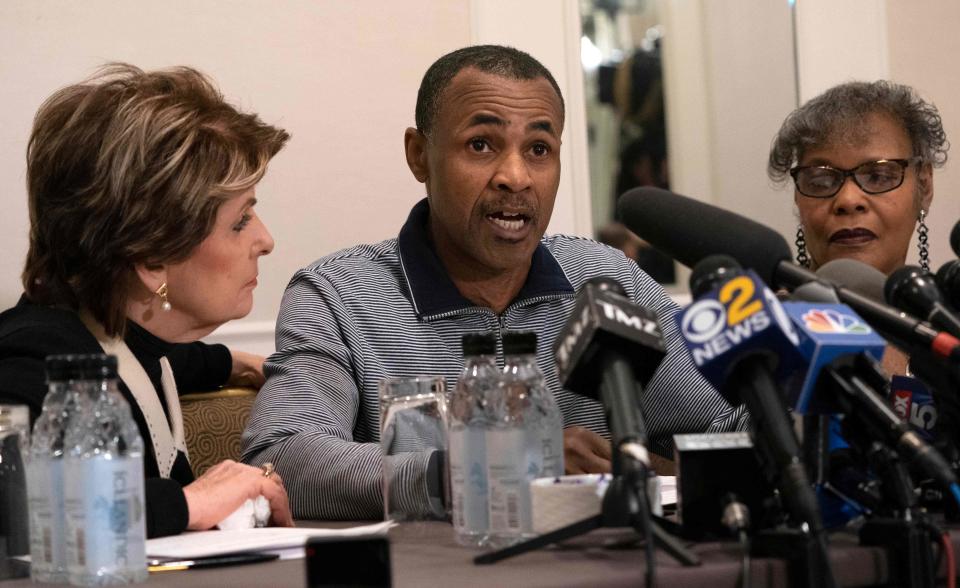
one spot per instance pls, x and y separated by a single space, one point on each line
130 167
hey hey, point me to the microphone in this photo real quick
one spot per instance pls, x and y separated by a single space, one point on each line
817 436
933 408
854 275
734 316
659 217
665 220
739 338
955 239
913 290
826 332
606 347
948 279
844 376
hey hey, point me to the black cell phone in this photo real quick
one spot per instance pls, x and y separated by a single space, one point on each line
354 561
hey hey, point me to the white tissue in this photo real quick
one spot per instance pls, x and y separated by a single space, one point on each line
252 513
558 502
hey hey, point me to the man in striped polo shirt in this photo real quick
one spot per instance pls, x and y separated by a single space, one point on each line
471 257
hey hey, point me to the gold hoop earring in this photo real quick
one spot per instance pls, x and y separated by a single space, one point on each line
162 293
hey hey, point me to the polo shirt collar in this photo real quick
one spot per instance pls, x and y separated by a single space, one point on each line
431 289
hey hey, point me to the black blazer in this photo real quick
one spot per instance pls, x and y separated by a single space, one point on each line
29 333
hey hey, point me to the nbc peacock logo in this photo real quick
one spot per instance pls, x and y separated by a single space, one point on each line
826 320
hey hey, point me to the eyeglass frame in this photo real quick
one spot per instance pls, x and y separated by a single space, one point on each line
851 173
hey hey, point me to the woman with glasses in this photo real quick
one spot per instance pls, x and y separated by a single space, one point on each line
861 156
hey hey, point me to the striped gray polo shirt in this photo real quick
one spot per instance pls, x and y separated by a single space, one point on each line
369 312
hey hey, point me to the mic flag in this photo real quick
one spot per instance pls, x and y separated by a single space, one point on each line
605 320
825 332
741 317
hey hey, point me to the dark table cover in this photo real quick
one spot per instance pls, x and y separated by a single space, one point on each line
424 554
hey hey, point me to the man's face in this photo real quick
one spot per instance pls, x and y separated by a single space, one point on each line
491 165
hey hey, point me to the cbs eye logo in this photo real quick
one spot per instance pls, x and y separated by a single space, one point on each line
707 318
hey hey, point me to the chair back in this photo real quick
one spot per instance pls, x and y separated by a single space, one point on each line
213 423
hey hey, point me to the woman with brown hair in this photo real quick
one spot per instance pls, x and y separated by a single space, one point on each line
143 239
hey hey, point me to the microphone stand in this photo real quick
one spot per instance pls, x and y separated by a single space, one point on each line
904 533
624 502
804 547
624 505
902 530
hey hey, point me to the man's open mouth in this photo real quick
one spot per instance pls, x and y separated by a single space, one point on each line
510 221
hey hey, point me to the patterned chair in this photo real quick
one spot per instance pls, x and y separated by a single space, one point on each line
213 423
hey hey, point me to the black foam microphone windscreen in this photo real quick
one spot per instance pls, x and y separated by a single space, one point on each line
955 239
689 230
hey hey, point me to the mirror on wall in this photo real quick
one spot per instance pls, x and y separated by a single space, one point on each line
626 122
685 95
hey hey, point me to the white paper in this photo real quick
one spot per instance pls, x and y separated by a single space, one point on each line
668 490
275 539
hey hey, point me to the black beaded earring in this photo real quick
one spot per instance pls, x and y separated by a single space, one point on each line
922 241
802 258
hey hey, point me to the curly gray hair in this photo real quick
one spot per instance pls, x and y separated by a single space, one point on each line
838 113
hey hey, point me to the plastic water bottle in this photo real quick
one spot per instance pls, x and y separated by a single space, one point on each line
467 439
45 482
525 440
543 422
507 463
106 530
14 442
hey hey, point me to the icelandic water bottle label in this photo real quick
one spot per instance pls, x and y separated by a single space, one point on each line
509 490
45 492
552 466
105 520
468 479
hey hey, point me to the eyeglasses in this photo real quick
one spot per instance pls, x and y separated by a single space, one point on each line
873 177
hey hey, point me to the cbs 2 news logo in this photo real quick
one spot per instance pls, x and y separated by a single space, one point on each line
742 308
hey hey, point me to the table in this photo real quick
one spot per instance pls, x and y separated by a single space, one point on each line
424 554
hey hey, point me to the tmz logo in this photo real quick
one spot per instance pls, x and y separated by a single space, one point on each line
632 320
712 326
599 317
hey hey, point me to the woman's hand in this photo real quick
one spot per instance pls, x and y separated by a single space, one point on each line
226 486
247 369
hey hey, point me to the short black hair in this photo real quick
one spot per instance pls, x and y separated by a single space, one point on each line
502 61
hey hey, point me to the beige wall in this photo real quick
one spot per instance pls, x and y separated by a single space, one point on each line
729 82
912 42
341 77
924 42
